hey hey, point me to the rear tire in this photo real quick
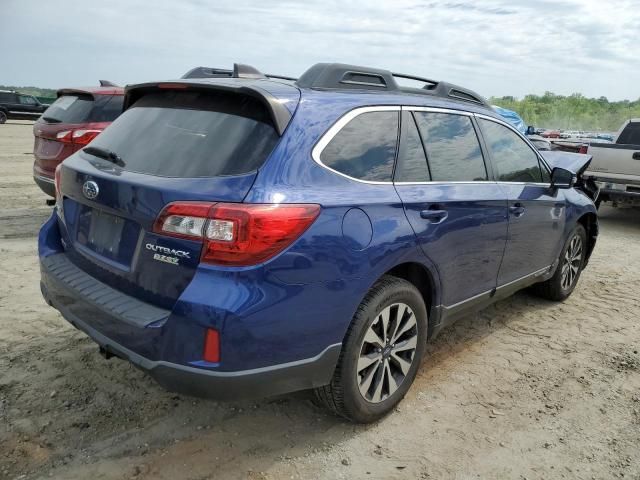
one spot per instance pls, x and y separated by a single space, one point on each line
570 264
381 353
3 117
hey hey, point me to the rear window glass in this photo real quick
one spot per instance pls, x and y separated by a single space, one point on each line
84 108
191 134
365 148
630 135
69 109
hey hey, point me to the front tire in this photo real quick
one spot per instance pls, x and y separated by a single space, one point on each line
3 117
381 353
570 264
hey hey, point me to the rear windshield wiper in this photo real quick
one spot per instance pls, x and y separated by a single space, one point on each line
104 153
51 120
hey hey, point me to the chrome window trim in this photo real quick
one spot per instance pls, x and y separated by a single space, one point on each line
317 150
437 110
339 125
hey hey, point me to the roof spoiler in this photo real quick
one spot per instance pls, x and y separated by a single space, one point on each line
240 70
342 76
280 115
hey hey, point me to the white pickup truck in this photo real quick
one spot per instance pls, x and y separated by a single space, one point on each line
615 167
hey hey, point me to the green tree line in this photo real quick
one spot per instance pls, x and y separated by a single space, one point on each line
575 112
35 91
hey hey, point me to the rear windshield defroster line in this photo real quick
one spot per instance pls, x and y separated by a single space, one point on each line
192 134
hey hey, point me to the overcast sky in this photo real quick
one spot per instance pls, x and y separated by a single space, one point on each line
501 47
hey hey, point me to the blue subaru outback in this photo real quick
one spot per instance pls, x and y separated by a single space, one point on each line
247 234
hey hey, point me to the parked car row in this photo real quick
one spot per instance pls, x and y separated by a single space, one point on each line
241 234
18 106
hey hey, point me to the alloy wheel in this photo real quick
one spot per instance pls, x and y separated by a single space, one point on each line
571 262
387 352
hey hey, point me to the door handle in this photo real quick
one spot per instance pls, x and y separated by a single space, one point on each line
517 210
434 216
636 155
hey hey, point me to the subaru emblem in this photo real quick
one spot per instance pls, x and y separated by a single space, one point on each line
90 189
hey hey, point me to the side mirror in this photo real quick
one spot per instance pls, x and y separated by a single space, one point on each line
531 130
562 178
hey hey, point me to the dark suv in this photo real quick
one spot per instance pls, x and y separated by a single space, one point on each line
69 124
249 235
17 106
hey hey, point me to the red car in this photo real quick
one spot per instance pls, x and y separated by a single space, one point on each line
69 124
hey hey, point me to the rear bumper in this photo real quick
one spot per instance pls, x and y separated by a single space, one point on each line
46 184
81 299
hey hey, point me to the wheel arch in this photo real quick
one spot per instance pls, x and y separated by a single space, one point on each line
589 221
422 278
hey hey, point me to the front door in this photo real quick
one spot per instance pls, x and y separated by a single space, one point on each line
536 211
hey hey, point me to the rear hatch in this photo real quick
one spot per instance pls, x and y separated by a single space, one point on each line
172 144
69 124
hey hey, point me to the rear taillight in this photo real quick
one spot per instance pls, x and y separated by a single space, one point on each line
237 234
78 137
583 149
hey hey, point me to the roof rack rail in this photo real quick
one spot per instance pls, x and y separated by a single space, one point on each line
107 83
239 71
342 76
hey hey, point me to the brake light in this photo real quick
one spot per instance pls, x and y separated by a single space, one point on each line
64 136
237 234
183 219
583 149
78 137
84 137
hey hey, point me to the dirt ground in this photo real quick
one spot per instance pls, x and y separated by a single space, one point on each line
525 389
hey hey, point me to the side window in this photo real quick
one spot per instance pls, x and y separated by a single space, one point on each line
365 148
25 100
453 150
546 176
630 135
513 159
412 162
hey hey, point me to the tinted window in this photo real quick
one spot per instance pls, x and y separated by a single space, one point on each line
513 159
191 134
69 109
7 97
453 150
412 162
25 100
630 135
365 148
546 176
107 108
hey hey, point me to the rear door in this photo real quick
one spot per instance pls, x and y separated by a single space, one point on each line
536 212
458 214
30 108
173 146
